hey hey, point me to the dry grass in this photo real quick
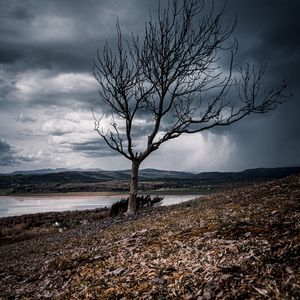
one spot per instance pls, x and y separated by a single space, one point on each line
242 244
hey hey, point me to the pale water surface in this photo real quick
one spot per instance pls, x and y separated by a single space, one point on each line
19 205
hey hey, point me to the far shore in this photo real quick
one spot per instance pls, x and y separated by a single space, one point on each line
79 194
162 192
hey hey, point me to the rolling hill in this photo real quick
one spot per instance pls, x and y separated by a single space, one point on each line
62 180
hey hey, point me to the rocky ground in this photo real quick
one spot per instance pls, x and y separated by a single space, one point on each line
240 244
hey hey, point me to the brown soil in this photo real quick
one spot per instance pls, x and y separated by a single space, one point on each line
239 244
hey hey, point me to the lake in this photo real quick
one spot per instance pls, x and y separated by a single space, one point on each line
19 205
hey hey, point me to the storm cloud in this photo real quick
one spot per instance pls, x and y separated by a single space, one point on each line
47 90
6 154
92 148
10 157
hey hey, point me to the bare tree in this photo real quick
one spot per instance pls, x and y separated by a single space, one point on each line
175 76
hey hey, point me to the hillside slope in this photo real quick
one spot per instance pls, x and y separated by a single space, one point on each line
242 244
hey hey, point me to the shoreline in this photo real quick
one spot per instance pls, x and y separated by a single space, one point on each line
167 191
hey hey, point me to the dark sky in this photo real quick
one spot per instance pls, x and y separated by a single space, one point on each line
47 89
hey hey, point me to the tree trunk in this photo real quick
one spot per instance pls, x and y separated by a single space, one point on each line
132 204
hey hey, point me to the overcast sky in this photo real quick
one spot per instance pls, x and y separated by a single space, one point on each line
47 89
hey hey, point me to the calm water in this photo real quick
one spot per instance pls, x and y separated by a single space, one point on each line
19 205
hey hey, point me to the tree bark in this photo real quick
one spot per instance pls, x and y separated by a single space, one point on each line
132 204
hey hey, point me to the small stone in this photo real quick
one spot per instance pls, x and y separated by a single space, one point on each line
226 276
229 241
274 212
48 295
134 294
158 280
138 233
117 271
98 257
188 297
263 292
207 295
196 269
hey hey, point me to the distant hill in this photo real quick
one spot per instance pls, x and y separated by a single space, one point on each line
249 174
161 174
49 171
63 180
94 175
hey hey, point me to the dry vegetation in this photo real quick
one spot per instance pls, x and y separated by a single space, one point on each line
239 244
24 227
